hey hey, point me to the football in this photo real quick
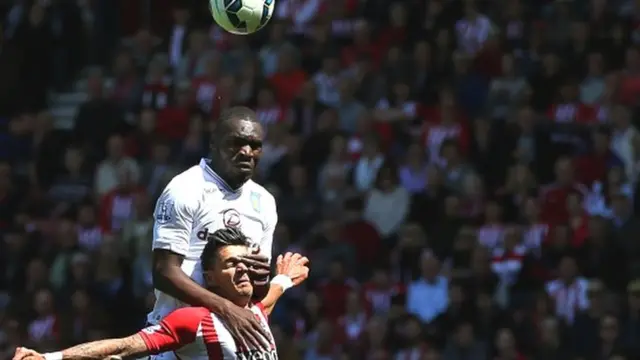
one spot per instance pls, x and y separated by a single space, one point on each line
242 17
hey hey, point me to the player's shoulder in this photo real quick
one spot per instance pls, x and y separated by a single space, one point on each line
189 313
187 318
187 182
267 200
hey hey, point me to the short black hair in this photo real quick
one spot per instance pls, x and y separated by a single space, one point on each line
221 238
231 114
227 117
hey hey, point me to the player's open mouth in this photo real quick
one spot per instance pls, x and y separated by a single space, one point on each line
244 279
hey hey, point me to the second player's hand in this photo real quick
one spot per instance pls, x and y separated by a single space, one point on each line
294 266
245 327
23 353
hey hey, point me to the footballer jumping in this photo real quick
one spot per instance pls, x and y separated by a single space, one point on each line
216 194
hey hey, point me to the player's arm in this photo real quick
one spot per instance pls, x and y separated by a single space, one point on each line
129 347
173 224
260 262
175 331
291 270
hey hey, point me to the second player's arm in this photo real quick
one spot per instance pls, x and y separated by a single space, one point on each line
130 347
269 301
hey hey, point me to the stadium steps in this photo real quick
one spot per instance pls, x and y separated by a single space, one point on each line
64 106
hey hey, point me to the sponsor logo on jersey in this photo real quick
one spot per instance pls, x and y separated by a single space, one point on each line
257 355
231 218
255 201
164 211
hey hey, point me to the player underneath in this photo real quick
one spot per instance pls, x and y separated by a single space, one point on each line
215 194
194 332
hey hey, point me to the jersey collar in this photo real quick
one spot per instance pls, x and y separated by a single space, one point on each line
211 175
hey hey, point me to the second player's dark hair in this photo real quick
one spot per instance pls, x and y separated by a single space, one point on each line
220 238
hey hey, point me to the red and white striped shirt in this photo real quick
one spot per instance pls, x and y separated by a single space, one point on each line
196 333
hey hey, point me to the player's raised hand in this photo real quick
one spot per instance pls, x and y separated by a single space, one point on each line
294 266
245 327
23 353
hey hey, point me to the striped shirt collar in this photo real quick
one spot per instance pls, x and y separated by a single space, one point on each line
211 175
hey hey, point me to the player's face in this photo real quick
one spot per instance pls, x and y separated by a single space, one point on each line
240 149
231 276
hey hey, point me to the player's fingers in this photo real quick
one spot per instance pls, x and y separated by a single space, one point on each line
259 273
257 257
253 337
279 260
255 263
22 353
263 335
295 258
242 341
287 258
303 260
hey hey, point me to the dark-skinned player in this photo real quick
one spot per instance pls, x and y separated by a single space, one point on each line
214 194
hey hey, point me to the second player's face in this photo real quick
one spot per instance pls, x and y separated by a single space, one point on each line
242 148
231 275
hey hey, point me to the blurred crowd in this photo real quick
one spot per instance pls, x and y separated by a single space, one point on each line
463 174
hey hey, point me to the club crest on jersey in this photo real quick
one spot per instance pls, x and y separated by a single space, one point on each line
231 218
255 201
164 211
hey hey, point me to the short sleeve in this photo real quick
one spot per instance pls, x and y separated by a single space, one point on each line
173 221
178 329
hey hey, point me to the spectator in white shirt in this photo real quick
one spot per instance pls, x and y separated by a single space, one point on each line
568 291
109 172
387 206
473 30
428 296
366 169
327 81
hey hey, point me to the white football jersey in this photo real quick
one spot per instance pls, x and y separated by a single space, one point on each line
193 206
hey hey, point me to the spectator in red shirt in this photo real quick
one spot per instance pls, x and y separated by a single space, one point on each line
595 165
353 323
363 236
289 79
156 90
205 87
569 109
116 206
335 290
173 120
380 293
554 196
363 46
